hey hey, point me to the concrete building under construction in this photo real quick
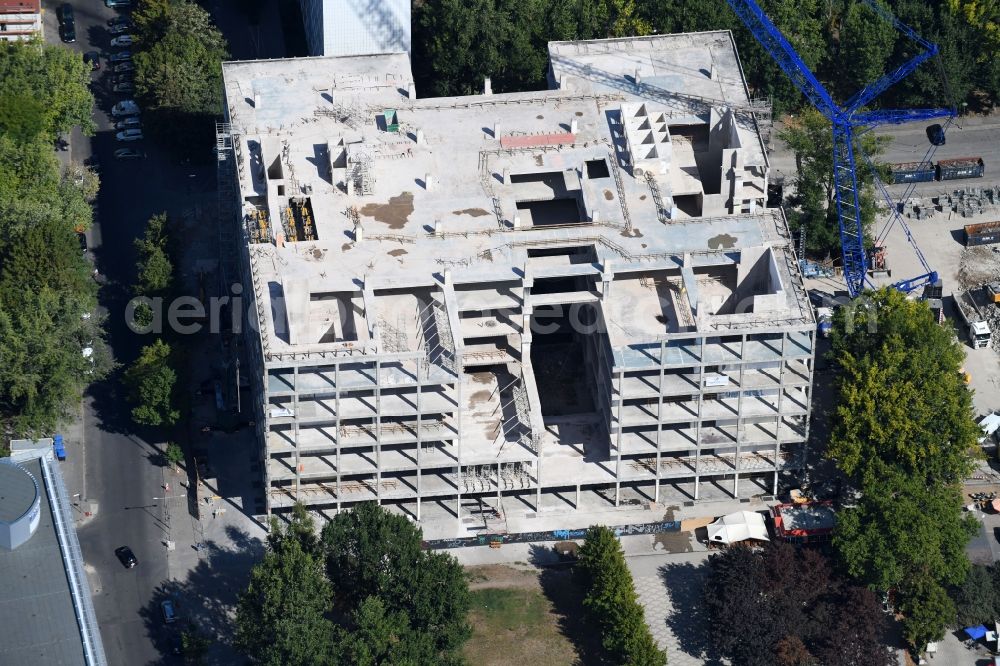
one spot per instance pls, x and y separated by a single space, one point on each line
526 301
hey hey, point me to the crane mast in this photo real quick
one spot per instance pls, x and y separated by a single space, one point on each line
848 120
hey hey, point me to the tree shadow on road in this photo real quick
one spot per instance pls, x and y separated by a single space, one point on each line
206 598
689 620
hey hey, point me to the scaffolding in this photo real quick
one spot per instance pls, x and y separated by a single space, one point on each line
227 209
361 176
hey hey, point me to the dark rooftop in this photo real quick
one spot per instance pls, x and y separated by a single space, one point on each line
38 625
17 492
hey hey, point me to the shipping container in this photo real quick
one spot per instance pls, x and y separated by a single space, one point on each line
962 167
984 233
912 172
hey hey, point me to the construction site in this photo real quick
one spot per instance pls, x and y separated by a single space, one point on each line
522 302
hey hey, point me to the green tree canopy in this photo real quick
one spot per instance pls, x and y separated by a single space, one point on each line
154 268
44 90
977 599
371 552
902 402
866 42
151 382
612 603
901 526
281 617
178 71
810 138
47 297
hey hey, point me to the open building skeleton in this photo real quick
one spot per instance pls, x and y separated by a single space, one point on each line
525 299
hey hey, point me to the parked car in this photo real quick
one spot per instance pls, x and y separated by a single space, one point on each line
92 58
83 241
169 613
128 123
118 20
114 4
123 87
124 67
124 77
121 56
65 13
67 32
129 135
126 557
129 154
126 107
119 28
122 40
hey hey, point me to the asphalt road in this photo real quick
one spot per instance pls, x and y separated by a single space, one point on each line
123 472
968 137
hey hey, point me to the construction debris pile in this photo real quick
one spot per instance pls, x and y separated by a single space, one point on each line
966 202
979 265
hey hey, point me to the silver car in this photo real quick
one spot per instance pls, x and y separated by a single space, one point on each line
128 123
129 135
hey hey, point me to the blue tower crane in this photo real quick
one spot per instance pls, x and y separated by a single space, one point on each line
850 120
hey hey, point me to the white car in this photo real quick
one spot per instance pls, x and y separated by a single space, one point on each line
122 40
126 107
128 123
129 135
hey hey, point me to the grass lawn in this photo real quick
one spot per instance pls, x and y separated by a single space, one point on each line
514 622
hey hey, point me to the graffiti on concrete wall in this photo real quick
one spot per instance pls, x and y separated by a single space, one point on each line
495 540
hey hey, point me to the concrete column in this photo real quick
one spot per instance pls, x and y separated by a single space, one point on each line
378 432
487 86
538 484
739 422
421 373
701 402
574 126
516 222
506 175
499 485
428 182
618 437
336 407
420 137
659 424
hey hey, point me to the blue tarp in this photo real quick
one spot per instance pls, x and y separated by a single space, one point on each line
975 633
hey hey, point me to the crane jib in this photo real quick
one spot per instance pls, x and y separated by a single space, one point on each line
848 120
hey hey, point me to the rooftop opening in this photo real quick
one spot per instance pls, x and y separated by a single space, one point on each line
553 179
597 169
551 212
333 315
298 221
559 359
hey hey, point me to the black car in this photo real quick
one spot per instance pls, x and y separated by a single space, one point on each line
66 13
83 241
67 32
935 134
126 557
